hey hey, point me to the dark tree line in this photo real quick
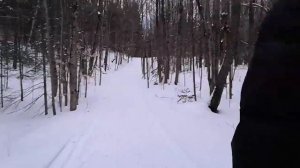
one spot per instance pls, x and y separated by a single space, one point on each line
70 40
65 40
210 35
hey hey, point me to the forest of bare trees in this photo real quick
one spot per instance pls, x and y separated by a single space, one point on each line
66 42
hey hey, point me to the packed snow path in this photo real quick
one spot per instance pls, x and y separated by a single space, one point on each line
122 124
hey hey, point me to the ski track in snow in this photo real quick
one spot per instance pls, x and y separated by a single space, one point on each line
124 125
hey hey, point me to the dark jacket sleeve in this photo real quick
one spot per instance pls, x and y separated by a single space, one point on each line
268 134
271 90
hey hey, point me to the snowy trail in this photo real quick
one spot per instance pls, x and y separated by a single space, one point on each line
135 137
122 124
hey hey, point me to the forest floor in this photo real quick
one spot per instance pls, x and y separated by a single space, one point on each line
122 124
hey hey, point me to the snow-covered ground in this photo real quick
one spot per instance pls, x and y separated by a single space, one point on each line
122 124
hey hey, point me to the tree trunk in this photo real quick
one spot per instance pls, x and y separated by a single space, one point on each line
191 17
165 44
1 76
20 70
225 69
61 66
51 58
179 43
106 59
73 65
45 76
216 40
15 55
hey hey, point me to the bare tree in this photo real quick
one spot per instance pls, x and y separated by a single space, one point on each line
228 60
50 54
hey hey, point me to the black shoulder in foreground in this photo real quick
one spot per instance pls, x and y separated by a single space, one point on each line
269 132
272 87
